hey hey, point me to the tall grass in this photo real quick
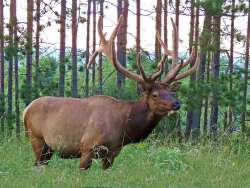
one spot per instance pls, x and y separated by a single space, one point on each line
148 164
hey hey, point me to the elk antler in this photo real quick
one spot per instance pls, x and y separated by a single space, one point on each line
176 67
108 48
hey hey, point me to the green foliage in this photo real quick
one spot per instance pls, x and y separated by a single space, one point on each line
214 7
47 84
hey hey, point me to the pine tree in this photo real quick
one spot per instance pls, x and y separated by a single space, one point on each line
100 68
37 43
158 28
74 49
243 125
62 48
29 46
87 50
2 85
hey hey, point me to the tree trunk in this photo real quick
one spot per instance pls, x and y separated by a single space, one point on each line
215 73
204 43
29 51
100 56
230 113
37 45
243 125
87 50
138 35
177 9
206 99
177 12
2 97
158 28
62 48
193 76
10 69
16 71
122 40
165 30
94 45
74 49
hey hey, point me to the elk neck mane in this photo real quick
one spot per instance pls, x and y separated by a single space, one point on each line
140 122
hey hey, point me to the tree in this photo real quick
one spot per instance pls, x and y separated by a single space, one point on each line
215 66
138 34
62 48
177 12
94 43
100 55
158 28
205 117
230 113
29 45
74 49
87 50
138 26
165 29
10 68
2 100
122 8
204 43
37 43
17 111
243 125
193 76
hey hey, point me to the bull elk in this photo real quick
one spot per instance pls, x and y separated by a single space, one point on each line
99 126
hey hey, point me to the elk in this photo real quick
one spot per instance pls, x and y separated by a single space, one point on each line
99 126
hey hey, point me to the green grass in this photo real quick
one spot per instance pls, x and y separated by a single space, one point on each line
148 164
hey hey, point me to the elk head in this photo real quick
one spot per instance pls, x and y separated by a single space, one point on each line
159 93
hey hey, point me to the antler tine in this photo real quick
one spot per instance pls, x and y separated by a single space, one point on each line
189 71
108 48
103 41
166 50
172 73
191 57
156 75
115 31
139 65
92 58
100 30
175 40
176 67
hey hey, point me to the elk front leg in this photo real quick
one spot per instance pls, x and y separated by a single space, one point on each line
86 159
87 154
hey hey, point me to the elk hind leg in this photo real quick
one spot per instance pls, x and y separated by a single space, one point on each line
42 151
46 155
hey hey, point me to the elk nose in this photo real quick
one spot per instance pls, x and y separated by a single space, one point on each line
176 105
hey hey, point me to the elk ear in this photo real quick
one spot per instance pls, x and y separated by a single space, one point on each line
175 86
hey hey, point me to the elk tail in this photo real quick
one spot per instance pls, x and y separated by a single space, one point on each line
25 121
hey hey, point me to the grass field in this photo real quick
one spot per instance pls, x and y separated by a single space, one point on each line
149 164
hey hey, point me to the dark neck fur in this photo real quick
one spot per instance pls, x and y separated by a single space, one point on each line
141 121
